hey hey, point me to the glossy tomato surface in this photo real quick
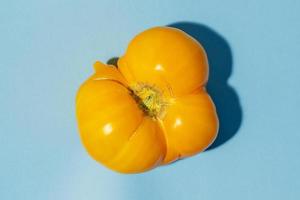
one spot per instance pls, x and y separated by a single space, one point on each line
151 110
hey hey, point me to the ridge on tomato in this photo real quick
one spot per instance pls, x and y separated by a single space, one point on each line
151 110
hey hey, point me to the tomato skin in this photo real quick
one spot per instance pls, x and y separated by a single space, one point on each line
190 125
119 133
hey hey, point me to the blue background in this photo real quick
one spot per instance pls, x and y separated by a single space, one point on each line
47 49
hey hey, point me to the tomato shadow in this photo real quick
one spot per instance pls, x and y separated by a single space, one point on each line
221 63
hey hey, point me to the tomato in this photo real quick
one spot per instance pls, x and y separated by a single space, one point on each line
151 110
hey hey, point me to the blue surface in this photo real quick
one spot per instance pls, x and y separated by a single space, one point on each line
47 49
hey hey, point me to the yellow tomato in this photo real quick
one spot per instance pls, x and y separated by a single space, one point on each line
151 110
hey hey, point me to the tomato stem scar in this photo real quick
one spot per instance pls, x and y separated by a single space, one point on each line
149 98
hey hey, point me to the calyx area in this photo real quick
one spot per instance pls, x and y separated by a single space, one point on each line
149 98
